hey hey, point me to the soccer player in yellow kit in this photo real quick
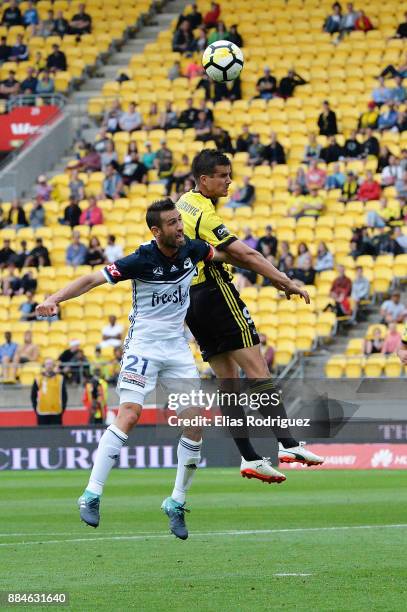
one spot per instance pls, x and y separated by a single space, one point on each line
219 319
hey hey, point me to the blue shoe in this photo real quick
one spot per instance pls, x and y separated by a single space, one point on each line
89 509
176 513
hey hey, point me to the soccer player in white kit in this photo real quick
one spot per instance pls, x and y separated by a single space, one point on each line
161 272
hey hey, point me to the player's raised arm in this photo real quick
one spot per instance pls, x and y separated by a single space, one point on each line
239 254
79 286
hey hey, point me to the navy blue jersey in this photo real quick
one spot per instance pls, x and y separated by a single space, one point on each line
160 287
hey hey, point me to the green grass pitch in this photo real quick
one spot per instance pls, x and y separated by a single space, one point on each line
346 531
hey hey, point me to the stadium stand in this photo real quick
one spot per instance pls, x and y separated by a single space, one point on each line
342 72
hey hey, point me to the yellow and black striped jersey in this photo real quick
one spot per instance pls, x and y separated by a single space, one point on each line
201 221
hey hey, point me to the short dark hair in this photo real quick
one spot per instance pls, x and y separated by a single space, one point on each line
206 161
153 215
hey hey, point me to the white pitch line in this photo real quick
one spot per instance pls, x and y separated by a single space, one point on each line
285 575
207 534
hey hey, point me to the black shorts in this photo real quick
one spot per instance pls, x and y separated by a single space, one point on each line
219 320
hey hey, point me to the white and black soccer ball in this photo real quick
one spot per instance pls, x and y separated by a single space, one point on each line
222 61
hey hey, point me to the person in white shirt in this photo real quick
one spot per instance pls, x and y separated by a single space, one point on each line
113 251
391 173
112 333
131 120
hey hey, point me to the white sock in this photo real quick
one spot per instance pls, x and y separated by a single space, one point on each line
108 451
189 457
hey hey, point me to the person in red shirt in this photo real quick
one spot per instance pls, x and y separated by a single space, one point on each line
92 215
340 292
363 23
211 18
392 341
315 176
369 189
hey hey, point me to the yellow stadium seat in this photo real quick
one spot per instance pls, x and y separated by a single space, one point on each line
353 367
374 366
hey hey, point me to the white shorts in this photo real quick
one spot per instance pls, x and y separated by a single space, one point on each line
145 362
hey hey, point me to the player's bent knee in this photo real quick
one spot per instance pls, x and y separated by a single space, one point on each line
193 433
128 415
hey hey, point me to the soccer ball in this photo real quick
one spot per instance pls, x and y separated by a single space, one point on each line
222 61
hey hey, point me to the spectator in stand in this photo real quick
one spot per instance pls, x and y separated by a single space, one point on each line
39 255
203 127
388 119
112 116
5 50
19 51
81 22
403 161
148 156
349 188
267 351
10 86
244 196
109 156
112 183
360 287
324 259
93 215
16 216
28 283
76 252
352 149
371 145
219 33
212 16
299 181
391 173
399 92
37 214
7 254
27 309
312 149
284 253
45 84
183 40
332 152
7 352
348 21
256 152
194 17
310 205
402 29
266 85
289 83
188 116
400 238
244 140
164 164
101 141
392 341
401 125
401 187
61 25
113 251
315 176
341 290
130 120
369 118
169 118
336 179
369 189
327 121
203 108
29 85
381 94
152 119
42 189
76 185
201 40
205 83
25 353
393 311
134 171
131 148
182 172
73 362
95 255
57 59
401 71
383 160
12 15
11 284
21 256
304 257
267 244
333 22
375 344
234 36
274 153
112 333
363 23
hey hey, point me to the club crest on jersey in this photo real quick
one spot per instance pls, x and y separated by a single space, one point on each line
188 263
158 271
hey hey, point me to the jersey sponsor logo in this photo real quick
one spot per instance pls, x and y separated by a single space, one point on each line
188 263
113 271
175 297
133 379
174 269
158 271
221 232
